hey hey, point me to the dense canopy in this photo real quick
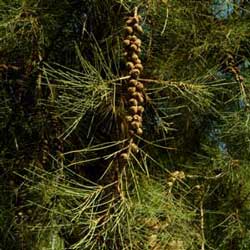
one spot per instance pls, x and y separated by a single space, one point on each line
124 124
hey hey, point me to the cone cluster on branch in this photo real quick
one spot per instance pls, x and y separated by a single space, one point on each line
134 88
233 69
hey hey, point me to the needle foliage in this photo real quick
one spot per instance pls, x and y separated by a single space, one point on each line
62 129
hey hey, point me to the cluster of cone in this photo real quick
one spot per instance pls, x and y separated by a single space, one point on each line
135 97
233 69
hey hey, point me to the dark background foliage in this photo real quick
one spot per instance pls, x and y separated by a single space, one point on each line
62 74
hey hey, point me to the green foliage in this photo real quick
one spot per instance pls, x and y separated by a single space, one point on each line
62 108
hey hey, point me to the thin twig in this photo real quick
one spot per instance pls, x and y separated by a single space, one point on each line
202 226
136 11
206 177
165 23
119 79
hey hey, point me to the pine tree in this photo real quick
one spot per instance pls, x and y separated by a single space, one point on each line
124 124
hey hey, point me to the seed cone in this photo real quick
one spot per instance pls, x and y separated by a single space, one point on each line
138 61
138 96
138 28
133 38
134 47
133 102
134 57
137 118
134 148
134 109
129 118
139 66
140 109
135 125
138 42
139 86
131 89
139 131
130 65
126 42
135 73
124 156
129 21
129 30
133 82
